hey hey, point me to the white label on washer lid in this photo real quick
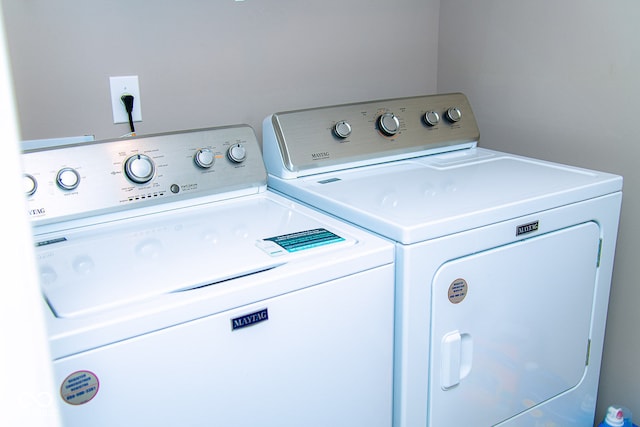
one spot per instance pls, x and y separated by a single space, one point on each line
79 387
299 241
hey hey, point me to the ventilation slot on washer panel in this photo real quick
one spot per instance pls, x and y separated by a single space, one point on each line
191 288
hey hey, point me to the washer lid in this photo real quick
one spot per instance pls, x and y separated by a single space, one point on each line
432 196
88 270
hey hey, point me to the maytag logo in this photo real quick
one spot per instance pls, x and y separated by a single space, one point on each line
36 212
249 319
320 155
527 228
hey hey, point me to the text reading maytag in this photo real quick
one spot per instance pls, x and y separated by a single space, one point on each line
320 155
249 319
527 228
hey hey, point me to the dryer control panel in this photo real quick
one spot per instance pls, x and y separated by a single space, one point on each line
91 178
304 142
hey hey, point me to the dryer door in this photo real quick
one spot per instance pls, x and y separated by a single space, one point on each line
511 326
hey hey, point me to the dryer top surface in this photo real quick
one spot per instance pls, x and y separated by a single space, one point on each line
431 196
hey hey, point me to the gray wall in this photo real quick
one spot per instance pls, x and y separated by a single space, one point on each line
215 62
561 81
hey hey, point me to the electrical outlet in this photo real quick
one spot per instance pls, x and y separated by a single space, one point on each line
120 86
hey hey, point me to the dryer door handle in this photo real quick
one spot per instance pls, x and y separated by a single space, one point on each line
456 358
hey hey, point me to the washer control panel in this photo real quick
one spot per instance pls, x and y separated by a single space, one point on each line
308 141
86 179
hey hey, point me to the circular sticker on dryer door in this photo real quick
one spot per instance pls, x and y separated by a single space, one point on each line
457 291
79 387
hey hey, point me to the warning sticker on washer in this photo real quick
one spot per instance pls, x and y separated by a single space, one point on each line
303 240
457 291
79 387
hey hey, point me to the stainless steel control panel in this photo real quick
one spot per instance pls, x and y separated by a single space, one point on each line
312 140
87 179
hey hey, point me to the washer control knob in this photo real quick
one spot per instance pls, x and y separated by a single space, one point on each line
237 153
139 168
454 114
431 118
204 158
68 179
388 124
30 184
342 129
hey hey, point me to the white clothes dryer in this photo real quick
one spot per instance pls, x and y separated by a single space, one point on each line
180 292
503 263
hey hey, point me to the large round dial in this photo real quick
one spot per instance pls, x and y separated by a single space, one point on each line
388 124
204 158
68 179
139 168
237 153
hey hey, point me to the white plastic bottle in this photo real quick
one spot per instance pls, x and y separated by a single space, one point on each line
614 418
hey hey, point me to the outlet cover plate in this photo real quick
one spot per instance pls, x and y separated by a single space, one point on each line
120 86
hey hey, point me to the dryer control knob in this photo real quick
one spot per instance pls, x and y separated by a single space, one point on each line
388 124
454 114
431 118
68 179
237 153
342 129
204 158
139 168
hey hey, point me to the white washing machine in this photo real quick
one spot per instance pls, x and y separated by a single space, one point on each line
180 292
503 263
